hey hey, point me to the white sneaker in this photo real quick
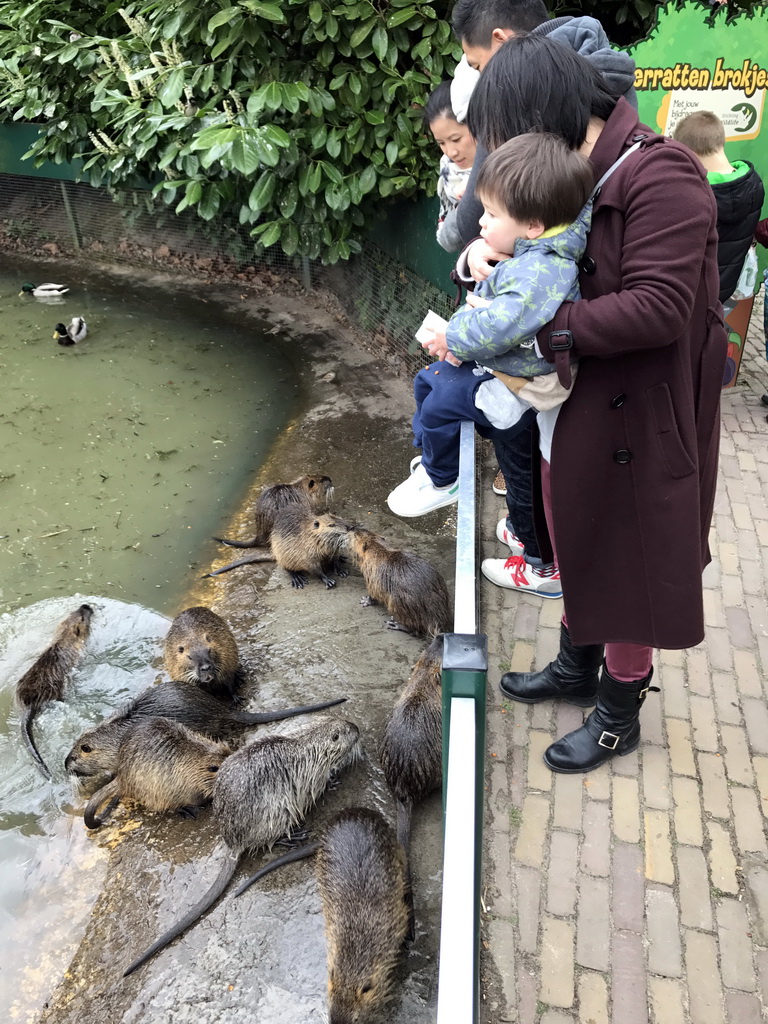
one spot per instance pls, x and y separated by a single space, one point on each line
506 536
515 573
415 461
418 495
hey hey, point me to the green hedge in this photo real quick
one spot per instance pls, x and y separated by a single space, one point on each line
293 118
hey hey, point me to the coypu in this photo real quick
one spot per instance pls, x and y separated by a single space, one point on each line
163 766
312 492
262 792
302 542
361 874
45 680
96 752
200 648
411 751
413 591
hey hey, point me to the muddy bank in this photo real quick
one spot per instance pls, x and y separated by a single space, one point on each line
262 957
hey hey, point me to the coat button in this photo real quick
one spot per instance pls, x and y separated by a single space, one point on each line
618 401
622 456
588 265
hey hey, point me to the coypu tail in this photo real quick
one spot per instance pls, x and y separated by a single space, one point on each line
258 541
260 717
249 560
404 810
287 858
225 876
27 717
110 792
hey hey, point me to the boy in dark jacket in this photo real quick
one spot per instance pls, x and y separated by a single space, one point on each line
738 191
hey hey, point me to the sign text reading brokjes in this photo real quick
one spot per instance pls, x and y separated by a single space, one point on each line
747 79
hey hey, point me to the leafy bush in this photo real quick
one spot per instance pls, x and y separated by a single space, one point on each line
295 118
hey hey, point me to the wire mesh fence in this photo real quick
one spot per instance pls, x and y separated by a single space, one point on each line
383 299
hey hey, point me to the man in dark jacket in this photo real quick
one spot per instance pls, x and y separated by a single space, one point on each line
739 193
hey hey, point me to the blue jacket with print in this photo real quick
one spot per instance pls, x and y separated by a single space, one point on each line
525 291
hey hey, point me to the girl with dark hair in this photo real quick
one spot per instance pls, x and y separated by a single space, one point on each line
458 149
630 460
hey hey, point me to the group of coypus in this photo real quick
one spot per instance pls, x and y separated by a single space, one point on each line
178 745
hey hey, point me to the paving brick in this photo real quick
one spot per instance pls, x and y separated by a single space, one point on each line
680 749
714 785
557 981
756 721
688 828
539 776
704 991
658 849
593 926
675 658
551 614
522 657
729 559
742 1009
664 951
727 698
737 763
719 648
748 820
568 797
756 887
593 999
626 809
527 995
651 726
666 1001
739 627
760 764
752 577
674 692
761 959
656 778
598 783
747 674
628 904
757 610
704 722
541 718
697 669
517 781
561 877
596 847
722 863
629 765
746 461
520 724
630 1002
732 590
735 946
567 718
556 1017
501 859
526 620
548 644
501 937
528 907
695 899
713 604
533 831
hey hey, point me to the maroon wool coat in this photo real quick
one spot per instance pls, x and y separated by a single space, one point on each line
634 454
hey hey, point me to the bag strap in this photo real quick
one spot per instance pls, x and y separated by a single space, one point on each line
615 166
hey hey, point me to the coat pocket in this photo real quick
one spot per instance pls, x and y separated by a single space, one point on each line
676 458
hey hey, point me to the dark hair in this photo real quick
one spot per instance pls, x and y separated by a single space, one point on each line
474 20
537 176
439 104
702 131
532 82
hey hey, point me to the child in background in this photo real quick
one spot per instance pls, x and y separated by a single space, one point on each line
458 148
738 192
535 191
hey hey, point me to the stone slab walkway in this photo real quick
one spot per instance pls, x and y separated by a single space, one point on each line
639 892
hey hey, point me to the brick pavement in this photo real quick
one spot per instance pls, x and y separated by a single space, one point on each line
639 892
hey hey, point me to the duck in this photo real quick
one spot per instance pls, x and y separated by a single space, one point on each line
44 291
76 331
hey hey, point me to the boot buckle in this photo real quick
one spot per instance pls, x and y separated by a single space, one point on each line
643 693
609 736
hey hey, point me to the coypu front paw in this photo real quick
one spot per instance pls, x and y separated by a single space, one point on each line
298 580
394 624
367 601
329 581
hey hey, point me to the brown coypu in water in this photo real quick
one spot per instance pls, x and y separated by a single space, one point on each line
413 591
163 766
46 679
262 792
302 542
411 751
96 752
200 648
361 874
312 491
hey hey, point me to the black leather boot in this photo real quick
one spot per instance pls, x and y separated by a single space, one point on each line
612 728
572 676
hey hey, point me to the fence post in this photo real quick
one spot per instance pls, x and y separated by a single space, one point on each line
71 217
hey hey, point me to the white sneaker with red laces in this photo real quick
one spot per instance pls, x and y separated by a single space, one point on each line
515 573
506 536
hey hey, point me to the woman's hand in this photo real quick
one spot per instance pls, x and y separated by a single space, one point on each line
478 255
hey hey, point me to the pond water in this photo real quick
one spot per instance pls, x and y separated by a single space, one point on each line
119 458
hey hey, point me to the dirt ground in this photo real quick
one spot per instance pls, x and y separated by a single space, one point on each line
262 957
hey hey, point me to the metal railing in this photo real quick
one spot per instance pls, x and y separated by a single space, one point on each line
465 669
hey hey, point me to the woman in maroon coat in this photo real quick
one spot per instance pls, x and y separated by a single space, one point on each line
629 465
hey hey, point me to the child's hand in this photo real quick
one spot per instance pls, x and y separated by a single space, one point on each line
476 302
438 347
